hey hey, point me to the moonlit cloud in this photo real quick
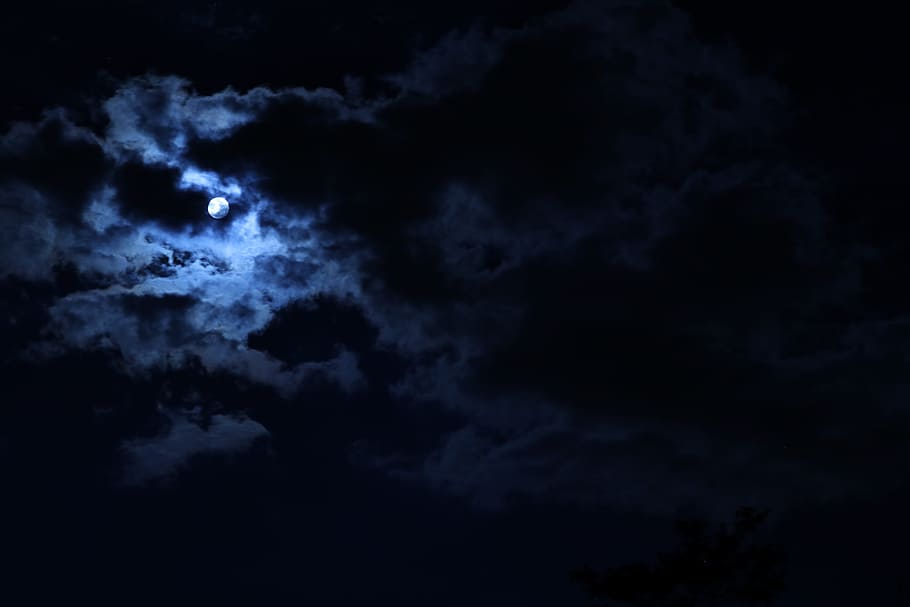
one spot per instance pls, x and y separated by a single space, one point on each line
548 261
224 278
206 181
220 276
154 117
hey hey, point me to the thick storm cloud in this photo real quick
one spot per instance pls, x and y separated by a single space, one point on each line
584 242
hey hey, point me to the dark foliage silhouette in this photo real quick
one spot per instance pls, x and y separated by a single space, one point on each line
727 565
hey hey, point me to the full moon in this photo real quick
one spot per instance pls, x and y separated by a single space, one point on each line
219 207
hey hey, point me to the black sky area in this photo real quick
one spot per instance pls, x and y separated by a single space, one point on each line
506 288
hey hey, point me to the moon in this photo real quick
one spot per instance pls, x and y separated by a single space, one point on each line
218 208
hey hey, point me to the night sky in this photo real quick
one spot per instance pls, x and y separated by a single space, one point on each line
505 289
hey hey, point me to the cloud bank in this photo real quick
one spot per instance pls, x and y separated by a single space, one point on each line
585 239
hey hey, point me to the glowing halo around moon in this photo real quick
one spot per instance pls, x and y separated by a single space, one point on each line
219 208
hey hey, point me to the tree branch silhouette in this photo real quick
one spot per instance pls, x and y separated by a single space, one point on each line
726 565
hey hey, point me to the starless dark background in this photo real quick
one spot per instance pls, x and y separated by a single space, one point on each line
506 288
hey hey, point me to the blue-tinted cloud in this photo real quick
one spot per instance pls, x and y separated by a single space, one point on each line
583 238
158 459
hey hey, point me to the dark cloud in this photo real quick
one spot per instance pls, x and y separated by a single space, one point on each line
680 298
295 145
314 331
62 162
681 329
314 45
375 178
160 458
150 193
529 118
593 219
529 263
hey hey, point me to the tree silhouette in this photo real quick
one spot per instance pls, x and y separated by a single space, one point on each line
728 565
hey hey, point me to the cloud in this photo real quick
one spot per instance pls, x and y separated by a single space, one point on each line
139 237
161 457
55 157
652 253
455 63
585 239
153 117
26 235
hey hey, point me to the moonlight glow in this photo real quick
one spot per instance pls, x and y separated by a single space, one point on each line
218 207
